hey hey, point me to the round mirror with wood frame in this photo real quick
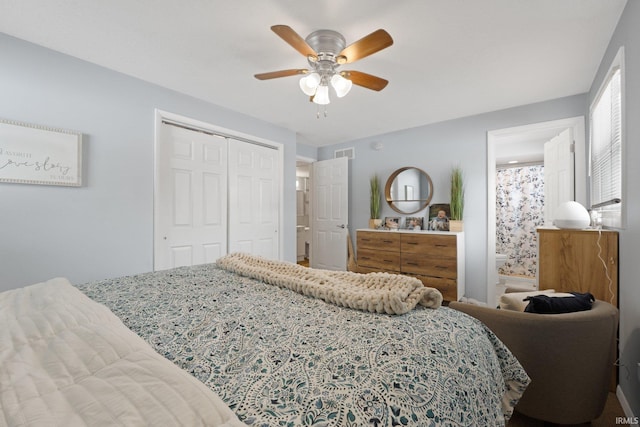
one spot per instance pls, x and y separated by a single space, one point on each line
408 190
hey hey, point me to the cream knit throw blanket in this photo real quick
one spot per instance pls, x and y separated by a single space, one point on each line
373 292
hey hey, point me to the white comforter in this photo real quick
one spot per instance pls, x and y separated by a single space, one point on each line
66 360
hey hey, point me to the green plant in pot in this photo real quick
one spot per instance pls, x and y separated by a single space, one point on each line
374 202
456 204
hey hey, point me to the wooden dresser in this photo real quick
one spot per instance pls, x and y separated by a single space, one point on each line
569 262
436 258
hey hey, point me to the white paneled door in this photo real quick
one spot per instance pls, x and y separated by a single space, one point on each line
558 173
254 201
330 214
190 198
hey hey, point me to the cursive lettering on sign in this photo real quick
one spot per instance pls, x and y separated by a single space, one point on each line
47 165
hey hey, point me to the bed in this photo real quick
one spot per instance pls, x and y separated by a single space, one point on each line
68 361
278 357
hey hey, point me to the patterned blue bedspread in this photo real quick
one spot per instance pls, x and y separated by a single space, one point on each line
278 358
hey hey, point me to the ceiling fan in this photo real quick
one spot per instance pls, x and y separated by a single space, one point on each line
326 51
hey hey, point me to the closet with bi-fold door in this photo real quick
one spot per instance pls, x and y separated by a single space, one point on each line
214 194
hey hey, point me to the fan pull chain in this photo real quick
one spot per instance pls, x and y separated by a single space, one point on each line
325 113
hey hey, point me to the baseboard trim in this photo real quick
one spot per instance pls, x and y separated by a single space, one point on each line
624 403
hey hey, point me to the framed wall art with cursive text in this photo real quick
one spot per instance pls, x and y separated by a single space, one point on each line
32 154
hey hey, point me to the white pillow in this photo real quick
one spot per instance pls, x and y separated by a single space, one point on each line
515 300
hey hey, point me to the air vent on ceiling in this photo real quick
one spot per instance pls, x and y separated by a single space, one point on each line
349 153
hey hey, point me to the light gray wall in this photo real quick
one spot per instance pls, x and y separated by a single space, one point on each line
105 228
627 34
436 149
307 151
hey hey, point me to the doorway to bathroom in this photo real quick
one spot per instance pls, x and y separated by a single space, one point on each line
520 210
516 196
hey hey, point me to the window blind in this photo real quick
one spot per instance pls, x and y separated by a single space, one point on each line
606 151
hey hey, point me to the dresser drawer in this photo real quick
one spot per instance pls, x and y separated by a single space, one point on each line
447 287
429 245
418 263
380 260
379 240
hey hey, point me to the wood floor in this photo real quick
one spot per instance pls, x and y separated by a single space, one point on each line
612 410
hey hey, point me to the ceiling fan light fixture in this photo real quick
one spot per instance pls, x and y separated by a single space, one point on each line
322 95
326 51
341 85
309 83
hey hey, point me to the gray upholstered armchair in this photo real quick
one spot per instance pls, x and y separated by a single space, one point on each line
569 358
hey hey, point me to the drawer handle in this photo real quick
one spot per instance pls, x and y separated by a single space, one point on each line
440 267
440 246
412 263
387 241
412 243
387 260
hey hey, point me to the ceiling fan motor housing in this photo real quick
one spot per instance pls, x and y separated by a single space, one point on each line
327 44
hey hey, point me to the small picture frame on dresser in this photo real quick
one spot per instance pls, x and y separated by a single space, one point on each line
392 222
414 223
439 217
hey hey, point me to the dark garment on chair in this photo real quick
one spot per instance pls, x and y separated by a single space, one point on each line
556 305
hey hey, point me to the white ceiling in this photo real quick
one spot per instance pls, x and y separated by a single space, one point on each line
450 58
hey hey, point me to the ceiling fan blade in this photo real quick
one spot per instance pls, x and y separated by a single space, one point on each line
281 73
365 80
366 46
295 40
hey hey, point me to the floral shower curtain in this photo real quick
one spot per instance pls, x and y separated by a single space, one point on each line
519 211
